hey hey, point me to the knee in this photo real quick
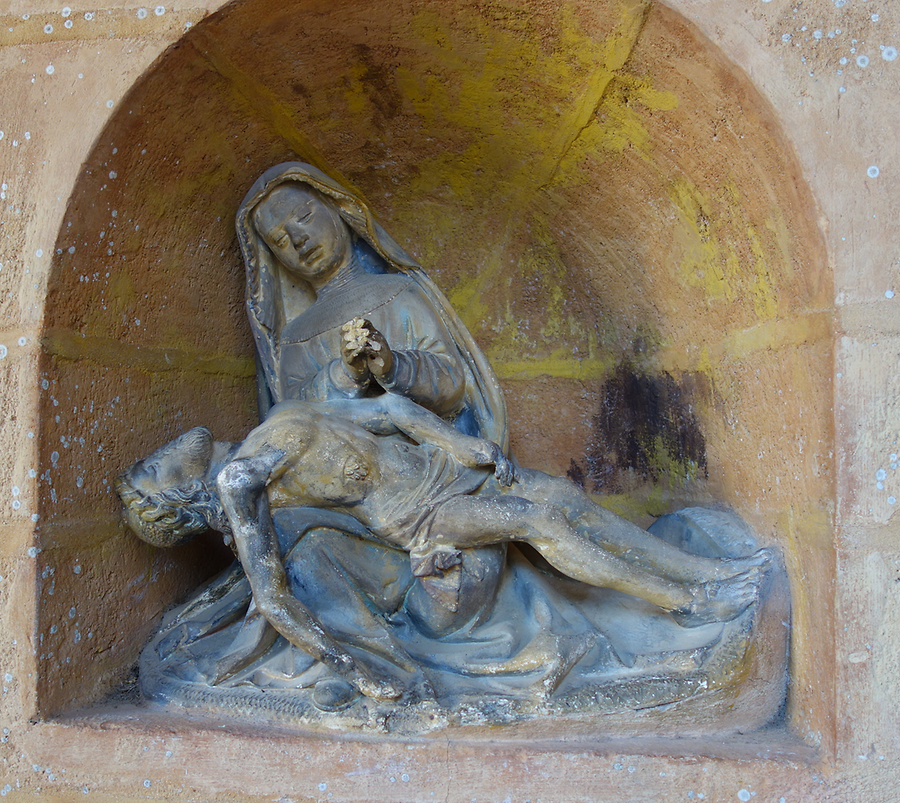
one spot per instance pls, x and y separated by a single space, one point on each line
546 515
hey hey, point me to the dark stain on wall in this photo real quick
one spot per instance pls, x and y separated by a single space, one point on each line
645 430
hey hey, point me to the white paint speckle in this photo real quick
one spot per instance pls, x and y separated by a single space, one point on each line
68 23
66 12
818 34
159 10
889 53
49 69
15 490
862 61
113 174
842 89
72 612
881 475
48 28
873 171
141 13
785 37
89 15
892 500
888 293
39 253
22 341
33 551
3 351
875 18
743 795
323 786
16 504
109 104
147 783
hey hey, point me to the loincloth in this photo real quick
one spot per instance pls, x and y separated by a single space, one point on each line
411 521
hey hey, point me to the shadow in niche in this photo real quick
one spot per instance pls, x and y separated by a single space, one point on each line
145 320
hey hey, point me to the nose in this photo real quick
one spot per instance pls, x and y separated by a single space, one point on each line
296 232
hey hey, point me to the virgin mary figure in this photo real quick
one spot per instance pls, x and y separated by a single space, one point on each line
315 258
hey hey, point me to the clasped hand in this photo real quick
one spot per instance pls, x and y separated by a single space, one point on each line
365 353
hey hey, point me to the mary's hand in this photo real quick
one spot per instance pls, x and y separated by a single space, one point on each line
379 357
354 354
367 351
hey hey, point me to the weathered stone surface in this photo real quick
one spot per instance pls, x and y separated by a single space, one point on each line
451 118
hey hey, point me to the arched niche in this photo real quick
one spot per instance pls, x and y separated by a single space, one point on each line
610 205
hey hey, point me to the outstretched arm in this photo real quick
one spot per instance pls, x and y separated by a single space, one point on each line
389 413
242 489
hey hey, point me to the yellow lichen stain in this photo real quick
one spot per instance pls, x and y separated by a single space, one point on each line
355 91
517 102
619 121
468 296
717 251
561 365
701 258
805 539
641 506
763 293
552 341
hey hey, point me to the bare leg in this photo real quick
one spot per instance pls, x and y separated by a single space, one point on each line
474 521
241 487
627 540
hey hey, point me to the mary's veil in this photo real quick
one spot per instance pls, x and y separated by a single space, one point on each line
273 299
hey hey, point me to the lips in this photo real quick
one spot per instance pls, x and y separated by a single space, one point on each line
310 254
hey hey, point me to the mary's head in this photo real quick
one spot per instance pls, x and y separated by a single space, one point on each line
297 223
304 231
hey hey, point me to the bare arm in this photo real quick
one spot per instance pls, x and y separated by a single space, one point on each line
389 413
242 489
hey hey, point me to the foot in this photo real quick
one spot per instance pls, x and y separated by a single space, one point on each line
720 600
333 694
376 689
727 568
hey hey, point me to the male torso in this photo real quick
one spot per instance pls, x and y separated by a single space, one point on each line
386 483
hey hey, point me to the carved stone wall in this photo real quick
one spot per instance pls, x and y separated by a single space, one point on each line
672 227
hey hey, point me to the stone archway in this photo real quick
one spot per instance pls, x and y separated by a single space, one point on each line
607 201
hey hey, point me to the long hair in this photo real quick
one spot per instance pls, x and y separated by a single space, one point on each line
173 516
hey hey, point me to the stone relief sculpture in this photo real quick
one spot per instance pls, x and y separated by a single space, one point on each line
372 514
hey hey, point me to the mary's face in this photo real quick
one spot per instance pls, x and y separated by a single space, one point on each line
305 233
